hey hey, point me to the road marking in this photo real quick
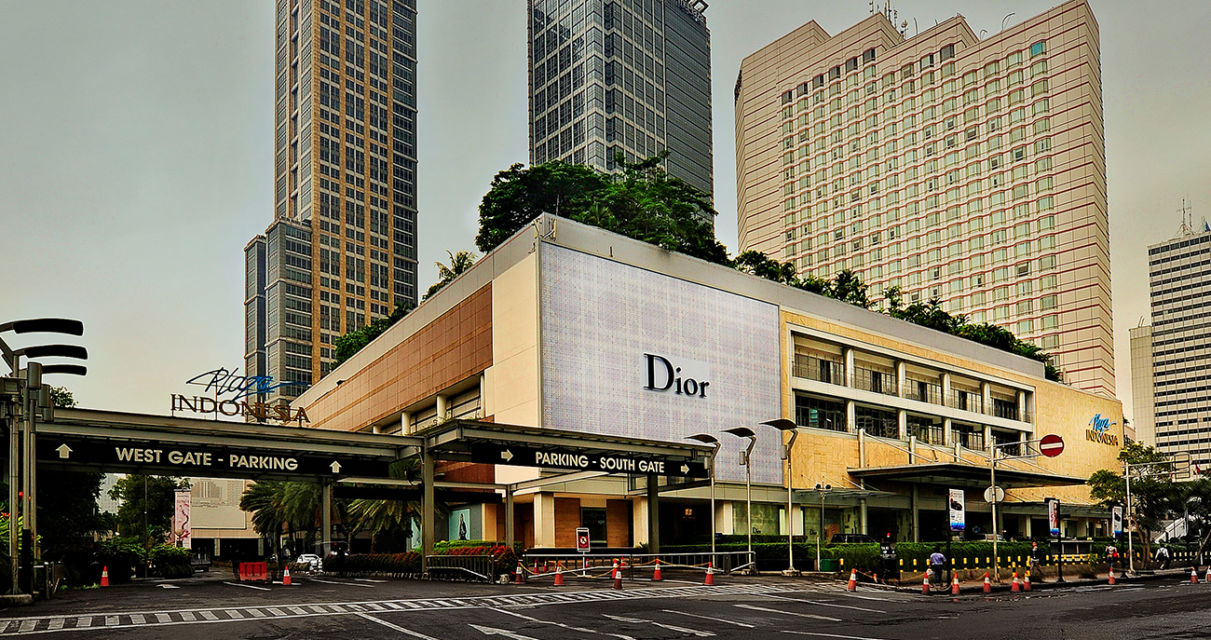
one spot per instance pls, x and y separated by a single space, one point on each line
247 586
208 615
826 604
368 580
188 616
490 631
395 627
829 635
111 620
670 627
694 615
56 624
348 584
559 624
789 613
27 626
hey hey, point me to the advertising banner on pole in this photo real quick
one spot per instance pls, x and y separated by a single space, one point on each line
1053 516
1116 521
182 533
958 512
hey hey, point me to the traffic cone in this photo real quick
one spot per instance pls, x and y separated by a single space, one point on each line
925 584
954 586
617 578
987 583
559 574
614 570
1209 573
853 580
1026 584
656 577
105 576
1110 576
1193 576
521 574
710 575
286 577
1015 588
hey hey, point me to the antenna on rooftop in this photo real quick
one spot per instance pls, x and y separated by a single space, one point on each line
1187 227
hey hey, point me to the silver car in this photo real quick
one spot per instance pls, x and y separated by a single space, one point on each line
313 561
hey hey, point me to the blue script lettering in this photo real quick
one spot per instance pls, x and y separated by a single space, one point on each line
232 386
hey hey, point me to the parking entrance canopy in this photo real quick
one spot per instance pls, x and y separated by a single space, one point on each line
139 443
491 443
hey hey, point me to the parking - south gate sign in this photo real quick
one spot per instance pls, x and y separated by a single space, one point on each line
609 462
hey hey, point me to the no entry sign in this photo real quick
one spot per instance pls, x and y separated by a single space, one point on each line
582 539
1051 445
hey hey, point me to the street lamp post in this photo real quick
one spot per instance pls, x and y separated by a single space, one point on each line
785 425
822 489
707 438
746 457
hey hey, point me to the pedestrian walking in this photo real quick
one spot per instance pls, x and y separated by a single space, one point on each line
1162 557
1036 557
887 555
1111 555
937 564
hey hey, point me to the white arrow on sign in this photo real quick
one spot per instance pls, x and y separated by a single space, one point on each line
492 631
506 455
64 451
685 468
335 466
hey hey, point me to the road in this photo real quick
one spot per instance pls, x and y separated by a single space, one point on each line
744 608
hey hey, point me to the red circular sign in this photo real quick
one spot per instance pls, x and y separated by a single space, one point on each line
1051 445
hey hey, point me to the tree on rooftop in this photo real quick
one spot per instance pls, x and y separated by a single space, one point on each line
353 341
459 263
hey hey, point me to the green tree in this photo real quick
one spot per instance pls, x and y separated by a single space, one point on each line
146 519
459 263
1195 497
758 264
353 341
389 522
519 194
1154 495
848 287
63 398
263 499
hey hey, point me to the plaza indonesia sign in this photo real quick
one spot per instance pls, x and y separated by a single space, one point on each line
228 393
1099 431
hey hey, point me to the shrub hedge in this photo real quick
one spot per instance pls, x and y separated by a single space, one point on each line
504 559
864 556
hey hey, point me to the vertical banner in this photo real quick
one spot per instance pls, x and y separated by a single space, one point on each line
1116 521
958 514
182 533
1053 516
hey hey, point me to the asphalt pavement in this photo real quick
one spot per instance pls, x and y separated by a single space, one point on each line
737 607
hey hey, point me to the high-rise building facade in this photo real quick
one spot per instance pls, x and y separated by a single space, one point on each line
1179 273
964 170
1143 418
629 76
341 250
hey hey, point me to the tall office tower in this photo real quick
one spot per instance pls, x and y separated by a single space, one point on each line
1179 272
341 250
630 76
964 170
1143 418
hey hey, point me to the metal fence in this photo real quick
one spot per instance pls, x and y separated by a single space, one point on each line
451 567
634 564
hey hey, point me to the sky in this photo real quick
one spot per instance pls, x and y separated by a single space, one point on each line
136 144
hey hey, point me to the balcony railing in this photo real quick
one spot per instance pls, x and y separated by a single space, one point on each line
1005 409
820 369
922 391
875 380
966 401
970 439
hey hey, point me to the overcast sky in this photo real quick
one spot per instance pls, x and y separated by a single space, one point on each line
136 154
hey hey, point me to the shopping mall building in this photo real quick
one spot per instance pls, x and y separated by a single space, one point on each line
567 327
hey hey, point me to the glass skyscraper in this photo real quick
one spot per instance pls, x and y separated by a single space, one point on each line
341 250
629 76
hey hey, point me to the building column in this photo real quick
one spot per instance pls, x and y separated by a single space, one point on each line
544 520
405 423
442 407
948 438
863 523
654 515
428 511
851 417
946 390
325 518
902 420
916 515
986 398
988 438
847 354
1022 406
901 376
510 534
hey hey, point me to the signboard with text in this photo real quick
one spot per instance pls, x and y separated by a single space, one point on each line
182 529
1053 516
958 512
609 462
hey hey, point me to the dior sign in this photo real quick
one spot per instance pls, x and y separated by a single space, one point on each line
662 376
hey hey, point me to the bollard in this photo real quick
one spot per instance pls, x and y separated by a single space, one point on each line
1015 587
710 575
987 584
853 580
617 580
656 577
925 584
954 586
558 574
1026 584
105 576
521 574
1193 576
286 577
1209 573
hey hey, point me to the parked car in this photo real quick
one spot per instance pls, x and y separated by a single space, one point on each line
843 538
313 562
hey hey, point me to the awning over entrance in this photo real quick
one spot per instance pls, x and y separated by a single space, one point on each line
955 475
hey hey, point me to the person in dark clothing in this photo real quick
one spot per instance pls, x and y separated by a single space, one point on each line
1036 557
937 564
890 563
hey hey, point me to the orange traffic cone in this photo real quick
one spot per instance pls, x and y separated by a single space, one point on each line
954 586
1209 573
559 574
1193 576
853 580
286 577
614 569
1016 587
1110 576
656 577
925 584
1026 584
521 574
987 584
710 575
617 577
105 576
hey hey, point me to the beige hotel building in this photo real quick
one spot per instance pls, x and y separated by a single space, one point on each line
971 171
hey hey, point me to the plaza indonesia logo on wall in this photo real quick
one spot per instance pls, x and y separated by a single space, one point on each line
228 393
664 376
1099 430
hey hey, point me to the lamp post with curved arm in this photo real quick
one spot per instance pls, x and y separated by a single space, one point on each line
707 438
746 458
784 425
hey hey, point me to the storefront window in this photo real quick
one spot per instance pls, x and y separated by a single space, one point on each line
765 519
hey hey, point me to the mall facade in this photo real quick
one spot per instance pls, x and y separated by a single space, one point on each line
567 327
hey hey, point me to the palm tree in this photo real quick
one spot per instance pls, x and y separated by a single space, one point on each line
263 500
459 263
387 519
